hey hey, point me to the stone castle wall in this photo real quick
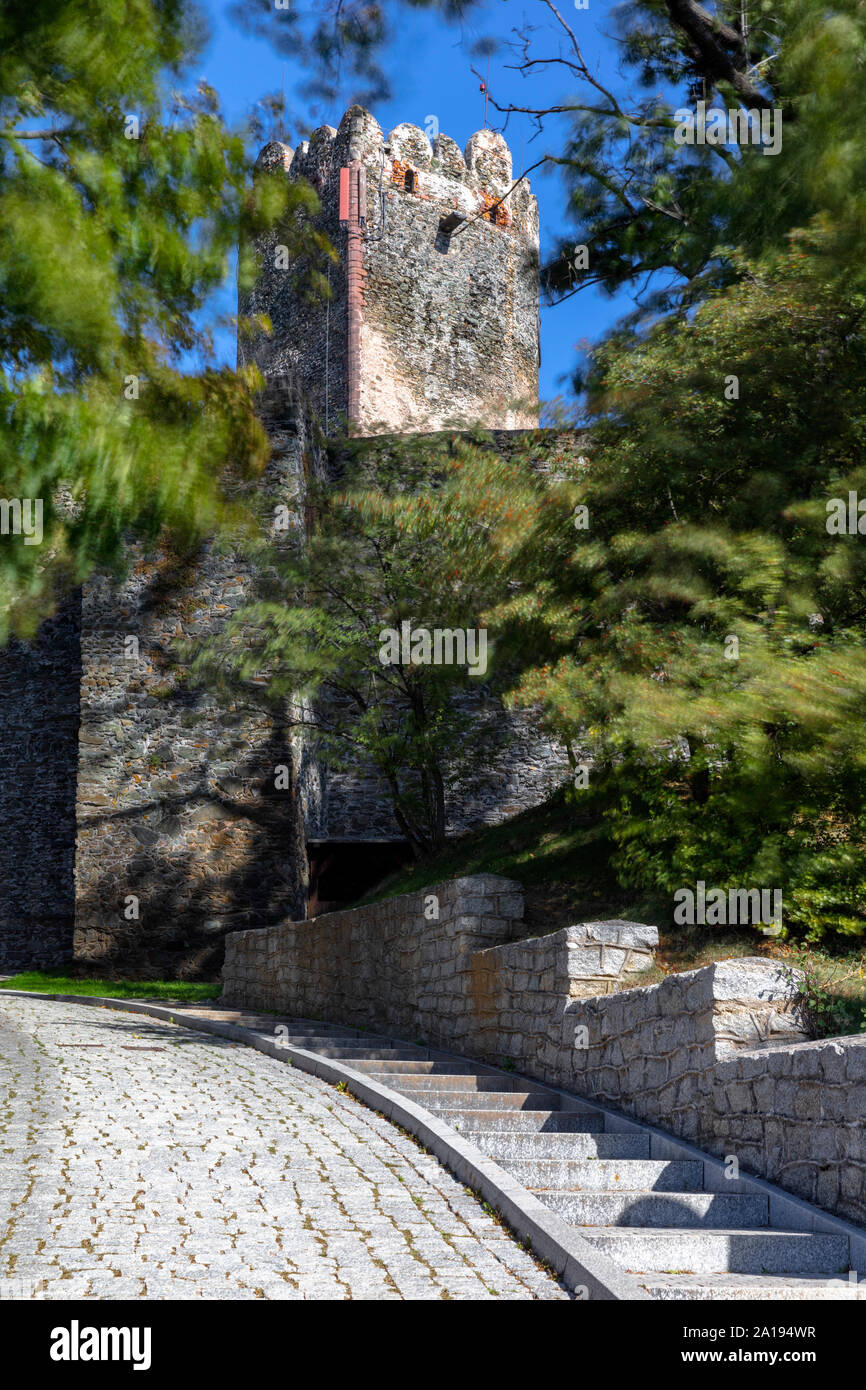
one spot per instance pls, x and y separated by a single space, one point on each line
182 832
39 694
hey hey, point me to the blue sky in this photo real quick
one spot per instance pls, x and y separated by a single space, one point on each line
429 65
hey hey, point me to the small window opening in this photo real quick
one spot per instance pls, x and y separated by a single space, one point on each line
409 180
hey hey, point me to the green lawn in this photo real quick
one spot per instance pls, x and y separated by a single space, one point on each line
181 990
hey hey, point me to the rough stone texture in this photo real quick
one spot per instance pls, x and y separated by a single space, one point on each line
449 328
177 798
390 965
797 1115
717 1056
653 1051
383 965
38 753
145 1160
522 768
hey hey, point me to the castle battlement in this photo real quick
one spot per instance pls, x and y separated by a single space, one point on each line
468 181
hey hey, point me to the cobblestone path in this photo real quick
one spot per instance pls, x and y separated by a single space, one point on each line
141 1159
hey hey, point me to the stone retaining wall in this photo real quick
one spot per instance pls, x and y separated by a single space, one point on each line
653 1052
421 965
391 965
797 1115
718 1056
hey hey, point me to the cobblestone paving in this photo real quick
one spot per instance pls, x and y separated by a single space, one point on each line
140 1159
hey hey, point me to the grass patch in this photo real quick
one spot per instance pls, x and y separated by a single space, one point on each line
560 857
186 991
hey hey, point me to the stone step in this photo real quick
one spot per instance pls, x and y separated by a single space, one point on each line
441 1101
479 1123
266 1023
388 1072
707 1210
607 1174
678 1251
787 1288
506 1147
452 1081
350 1050
314 1028
374 1046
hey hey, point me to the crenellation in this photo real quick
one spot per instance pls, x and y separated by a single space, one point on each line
488 157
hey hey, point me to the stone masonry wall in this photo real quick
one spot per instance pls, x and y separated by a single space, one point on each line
521 992
387 965
394 965
797 1115
38 752
716 1056
448 334
183 834
653 1051
450 322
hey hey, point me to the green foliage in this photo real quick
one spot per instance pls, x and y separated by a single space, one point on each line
110 249
739 764
672 217
308 647
828 1010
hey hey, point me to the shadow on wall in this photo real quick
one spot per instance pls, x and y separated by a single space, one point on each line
39 711
188 821
161 882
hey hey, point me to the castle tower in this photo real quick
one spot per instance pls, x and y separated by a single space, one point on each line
433 319
432 324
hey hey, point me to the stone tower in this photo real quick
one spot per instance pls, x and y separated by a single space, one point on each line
434 314
432 324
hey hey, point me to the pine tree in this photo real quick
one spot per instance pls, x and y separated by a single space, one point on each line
121 205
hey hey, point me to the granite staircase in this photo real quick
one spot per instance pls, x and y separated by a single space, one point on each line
663 1211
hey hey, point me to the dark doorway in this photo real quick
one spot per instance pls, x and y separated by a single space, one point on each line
343 871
